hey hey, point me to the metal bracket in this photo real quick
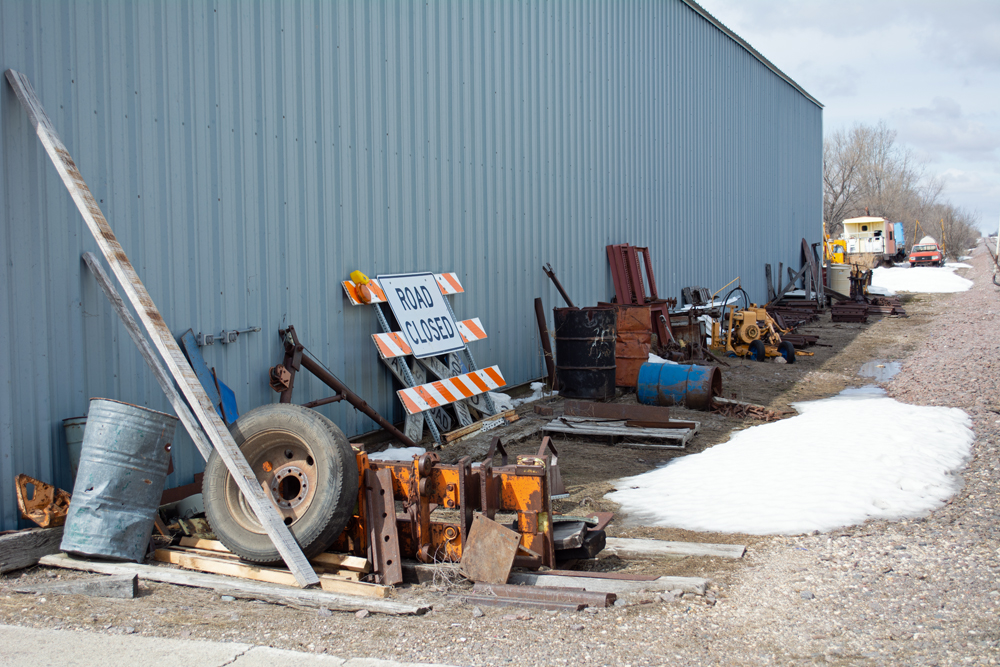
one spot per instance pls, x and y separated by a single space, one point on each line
223 337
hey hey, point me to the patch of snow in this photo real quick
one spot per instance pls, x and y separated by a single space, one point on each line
964 257
841 461
654 359
880 291
926 279
958 265
397 454
504 402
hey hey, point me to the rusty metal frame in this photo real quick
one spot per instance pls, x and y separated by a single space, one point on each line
630 287
282 379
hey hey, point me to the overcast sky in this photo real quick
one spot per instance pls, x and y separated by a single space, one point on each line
929 68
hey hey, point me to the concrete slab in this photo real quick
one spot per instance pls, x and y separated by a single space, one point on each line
66 648
41 647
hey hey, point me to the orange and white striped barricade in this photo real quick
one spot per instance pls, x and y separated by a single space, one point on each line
394 346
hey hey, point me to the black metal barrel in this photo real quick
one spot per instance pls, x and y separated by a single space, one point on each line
585 352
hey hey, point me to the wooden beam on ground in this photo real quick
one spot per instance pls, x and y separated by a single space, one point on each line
233 568
24 548
163 339
122 586
240 588
634 548
694 585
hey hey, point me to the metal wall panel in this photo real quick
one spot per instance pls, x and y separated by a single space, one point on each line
249 155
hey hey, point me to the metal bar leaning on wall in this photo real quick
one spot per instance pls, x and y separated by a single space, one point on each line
162 338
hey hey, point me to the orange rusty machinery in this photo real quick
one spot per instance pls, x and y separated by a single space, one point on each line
437 502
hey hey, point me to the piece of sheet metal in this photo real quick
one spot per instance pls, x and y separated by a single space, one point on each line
489 552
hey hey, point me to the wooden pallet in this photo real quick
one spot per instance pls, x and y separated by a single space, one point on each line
678 437
341 573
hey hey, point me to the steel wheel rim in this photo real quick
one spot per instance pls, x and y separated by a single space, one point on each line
285 466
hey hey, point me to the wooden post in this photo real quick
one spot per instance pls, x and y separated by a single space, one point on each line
162 338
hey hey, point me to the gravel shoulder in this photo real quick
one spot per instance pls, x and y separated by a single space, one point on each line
924 591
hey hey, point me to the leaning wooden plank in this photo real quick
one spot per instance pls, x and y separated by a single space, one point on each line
694 585
241 588
233 568
635 548
159 372
341 561
24 548
162 338
451 436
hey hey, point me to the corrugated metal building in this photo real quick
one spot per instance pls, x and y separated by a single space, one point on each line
250 155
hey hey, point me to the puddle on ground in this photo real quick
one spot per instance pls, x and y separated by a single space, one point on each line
880 370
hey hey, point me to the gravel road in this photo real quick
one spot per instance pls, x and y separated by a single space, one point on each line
924 591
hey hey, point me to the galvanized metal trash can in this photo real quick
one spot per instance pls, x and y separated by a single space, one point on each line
74 428
123 467
585 352
679 384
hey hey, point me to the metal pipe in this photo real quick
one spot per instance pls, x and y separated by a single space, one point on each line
551 274
359 403
543 333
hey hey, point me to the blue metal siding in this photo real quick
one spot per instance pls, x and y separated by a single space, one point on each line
250 155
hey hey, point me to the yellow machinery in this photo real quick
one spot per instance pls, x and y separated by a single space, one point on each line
750 332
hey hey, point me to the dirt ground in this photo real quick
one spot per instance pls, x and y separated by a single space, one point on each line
451 633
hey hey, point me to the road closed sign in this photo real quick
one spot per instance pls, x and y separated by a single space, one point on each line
423 316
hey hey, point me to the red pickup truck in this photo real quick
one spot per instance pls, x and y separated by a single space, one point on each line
926 253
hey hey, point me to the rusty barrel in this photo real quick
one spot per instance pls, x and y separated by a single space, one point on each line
123 467
679 384
632 344
585 352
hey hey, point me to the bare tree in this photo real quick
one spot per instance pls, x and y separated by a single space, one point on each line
865 172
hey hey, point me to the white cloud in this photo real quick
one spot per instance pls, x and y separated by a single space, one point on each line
942 130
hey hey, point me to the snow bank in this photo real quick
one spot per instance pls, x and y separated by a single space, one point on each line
841 461
397 454
925 279
504 402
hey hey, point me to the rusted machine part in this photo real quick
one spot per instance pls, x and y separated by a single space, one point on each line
425 484
547 268
543 335
296 359
47 505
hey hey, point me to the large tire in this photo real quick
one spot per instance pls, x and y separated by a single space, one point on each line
787 350
757 350
310 469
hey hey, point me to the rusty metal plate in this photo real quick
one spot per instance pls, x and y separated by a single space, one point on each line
382 527
627 411
489 553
